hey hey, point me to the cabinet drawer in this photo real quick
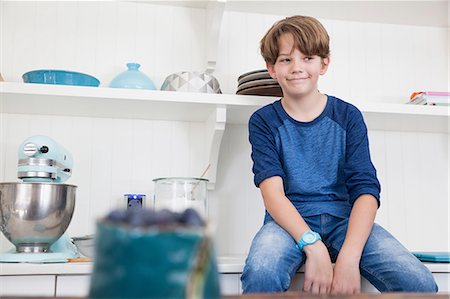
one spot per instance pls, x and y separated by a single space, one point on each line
78 285
29 285
72 285
229 284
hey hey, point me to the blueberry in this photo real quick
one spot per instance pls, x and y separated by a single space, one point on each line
117 216
192 218
165 217
137 217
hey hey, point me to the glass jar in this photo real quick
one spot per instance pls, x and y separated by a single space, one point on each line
179 193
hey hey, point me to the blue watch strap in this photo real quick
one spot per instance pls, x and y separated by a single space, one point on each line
308 238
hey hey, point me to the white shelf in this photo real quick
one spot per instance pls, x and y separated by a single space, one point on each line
403 117
24 98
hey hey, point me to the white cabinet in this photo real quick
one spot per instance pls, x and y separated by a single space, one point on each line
72 285
72 279
78 285
230 283
30 285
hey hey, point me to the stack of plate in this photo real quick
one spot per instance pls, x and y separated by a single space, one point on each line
258 83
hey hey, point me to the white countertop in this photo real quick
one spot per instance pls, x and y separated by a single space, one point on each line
226 264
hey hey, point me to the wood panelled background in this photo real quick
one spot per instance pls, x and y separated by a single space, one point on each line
370 62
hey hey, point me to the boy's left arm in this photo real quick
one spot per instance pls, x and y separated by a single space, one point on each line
346 278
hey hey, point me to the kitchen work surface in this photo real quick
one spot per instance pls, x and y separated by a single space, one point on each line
304 296
360 296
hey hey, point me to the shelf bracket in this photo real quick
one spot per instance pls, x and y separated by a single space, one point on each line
215 127
214 16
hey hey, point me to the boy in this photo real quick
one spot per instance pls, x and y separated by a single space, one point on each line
320 190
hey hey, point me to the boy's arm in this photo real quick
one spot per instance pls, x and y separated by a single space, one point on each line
364 193
347 278
318 268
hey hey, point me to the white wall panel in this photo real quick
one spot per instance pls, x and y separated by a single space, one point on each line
373 41
377 144
81 147
369 62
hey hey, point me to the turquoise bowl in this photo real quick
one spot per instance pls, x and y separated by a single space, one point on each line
132 78
60 77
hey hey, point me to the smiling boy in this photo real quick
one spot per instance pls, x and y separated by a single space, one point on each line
312 163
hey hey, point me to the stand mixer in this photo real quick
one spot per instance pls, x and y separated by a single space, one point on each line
35 213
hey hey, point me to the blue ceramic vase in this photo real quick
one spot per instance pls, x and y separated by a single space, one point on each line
132 78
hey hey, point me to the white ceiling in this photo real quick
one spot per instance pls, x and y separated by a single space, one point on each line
421 13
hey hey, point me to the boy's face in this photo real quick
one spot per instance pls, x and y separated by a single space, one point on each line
296 73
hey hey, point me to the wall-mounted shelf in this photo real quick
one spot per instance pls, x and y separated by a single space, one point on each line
24 98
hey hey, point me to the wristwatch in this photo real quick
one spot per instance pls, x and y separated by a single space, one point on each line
308 238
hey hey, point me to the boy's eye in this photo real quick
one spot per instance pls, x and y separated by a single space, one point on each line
308 58
283 60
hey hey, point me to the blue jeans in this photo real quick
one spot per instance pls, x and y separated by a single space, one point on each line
273 259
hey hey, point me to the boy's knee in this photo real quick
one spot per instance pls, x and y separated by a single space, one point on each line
419 282
263 278
425 283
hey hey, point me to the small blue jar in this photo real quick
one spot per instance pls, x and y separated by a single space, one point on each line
132 78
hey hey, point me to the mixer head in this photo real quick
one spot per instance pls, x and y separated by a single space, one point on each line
41 159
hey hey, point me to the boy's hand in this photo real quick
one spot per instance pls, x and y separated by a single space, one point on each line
318 269
346 277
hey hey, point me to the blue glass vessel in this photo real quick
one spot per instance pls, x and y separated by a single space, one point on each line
60 77
132 78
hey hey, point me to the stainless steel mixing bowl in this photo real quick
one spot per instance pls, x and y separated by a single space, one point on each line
34 215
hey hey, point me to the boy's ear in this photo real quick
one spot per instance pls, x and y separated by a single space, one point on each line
271 70
325 64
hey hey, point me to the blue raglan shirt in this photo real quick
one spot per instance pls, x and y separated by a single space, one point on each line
325 164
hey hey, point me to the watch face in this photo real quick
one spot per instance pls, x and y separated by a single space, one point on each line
309 237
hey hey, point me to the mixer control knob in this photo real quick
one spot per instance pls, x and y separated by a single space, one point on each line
44 149
30 149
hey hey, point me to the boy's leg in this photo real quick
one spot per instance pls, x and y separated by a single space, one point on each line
386 263
272 261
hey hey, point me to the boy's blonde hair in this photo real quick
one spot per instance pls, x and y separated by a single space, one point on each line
310 37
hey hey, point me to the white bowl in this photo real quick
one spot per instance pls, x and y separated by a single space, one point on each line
191 82
85 245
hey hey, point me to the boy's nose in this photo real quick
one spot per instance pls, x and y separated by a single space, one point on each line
297 66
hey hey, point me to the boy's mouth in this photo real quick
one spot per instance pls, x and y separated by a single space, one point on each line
295 78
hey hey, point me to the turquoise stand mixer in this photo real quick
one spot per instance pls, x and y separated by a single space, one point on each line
35 213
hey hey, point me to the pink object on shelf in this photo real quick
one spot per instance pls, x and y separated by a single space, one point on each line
437 93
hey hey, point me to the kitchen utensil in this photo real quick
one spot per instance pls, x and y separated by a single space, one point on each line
258 83
35 214
201 176
255 83
251 76
251 73
433 256
132 78
41 159
60 77
134 201
267 90
80 260
85 245
191 82
180 193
